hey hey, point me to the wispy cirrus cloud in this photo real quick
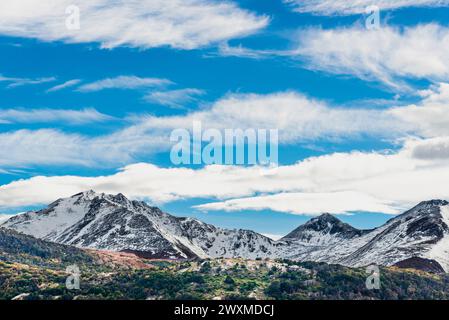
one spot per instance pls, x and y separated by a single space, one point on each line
174 98
429 117
298 118
74 117
225 50
14 82
65 85
349 7
51 147
182 24
124 82
390 55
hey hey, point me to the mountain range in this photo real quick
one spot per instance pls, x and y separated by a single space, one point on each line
418 238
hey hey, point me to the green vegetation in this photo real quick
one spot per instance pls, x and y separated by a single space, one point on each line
320 281
33 269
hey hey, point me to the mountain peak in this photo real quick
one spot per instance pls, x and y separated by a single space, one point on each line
119 198
89 194
326 217
428 209
322 222
433 203
321 225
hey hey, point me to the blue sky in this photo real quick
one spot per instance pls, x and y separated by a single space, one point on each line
361 113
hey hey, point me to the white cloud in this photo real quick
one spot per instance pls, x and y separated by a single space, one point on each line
124 82
53 147
432 149
225 50
4 217
304 203
39 147
67 84
298 118
429 117
348 7
18 82
389 55
337 183
184 24
75 117
174 98
273 236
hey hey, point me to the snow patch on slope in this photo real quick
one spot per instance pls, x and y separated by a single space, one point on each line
440 251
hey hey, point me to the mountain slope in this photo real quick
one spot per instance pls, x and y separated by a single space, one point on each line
421 232
322 239
420 236
112 222
17 247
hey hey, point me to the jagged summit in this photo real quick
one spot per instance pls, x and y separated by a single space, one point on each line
113 222
426 207
434 202
325 224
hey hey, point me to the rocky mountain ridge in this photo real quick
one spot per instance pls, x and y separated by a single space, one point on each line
113 222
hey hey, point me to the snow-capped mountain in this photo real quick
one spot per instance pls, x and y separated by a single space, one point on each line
323 231
112 222
419 237
422 232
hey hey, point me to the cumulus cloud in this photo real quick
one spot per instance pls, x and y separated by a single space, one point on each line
348 7
123 82
174 98
339 183
389 55
184 24
75 117
435 148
